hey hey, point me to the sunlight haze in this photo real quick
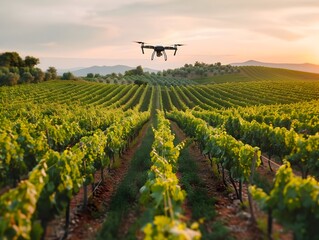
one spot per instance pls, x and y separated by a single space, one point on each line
78 33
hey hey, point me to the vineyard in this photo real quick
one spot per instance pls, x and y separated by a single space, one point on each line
254 132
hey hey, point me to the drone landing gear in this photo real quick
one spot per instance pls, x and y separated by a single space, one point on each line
165 56
153 54
159 54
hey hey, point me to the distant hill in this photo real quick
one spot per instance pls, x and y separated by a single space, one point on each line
260 73
305 67
103 70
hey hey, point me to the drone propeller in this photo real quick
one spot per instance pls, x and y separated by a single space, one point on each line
139 42
142 45
178 44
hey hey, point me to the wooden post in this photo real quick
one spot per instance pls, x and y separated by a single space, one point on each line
67 220
224 181
240 190
261 160
102 174
269 225
85 191
93 185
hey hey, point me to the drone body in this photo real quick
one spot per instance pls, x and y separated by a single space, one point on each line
159 50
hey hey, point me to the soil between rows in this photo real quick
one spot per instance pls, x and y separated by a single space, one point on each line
227 208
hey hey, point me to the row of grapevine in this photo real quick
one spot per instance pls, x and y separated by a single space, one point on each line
206 97
162 193
303 117
242 94
274 74
58 176
137 100
222 149
71 93
27 134
303 152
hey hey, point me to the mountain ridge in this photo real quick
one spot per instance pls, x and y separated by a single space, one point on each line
304 67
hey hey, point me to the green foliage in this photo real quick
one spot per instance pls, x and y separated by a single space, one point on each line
293 201
139 82
53 73
30 61
68 76
11 59
10 79
37 74
220 147
301 150
164 227
76 120
199 69
26 77
19 204
65 171
162 193
90 75
137 71
14 70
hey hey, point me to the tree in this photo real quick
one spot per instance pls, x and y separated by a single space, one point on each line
90 75
68 76
10 79
140 82
30 61
26 78
11 59
47 76
53 71
139 70
38 75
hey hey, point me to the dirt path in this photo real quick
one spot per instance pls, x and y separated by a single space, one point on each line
227 207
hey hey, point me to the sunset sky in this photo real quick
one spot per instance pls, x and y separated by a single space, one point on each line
82 33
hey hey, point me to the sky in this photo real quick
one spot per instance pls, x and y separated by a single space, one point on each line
81 33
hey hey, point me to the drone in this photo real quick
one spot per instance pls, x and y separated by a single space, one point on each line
159 50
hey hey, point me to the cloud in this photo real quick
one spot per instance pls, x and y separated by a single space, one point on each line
280 33
94 28
56 37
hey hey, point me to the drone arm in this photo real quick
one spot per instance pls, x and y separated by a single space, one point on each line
175 51
170 48
153 54
142 47
165 56
148 46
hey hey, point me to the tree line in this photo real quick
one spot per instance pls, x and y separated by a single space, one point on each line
15 70
200 69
